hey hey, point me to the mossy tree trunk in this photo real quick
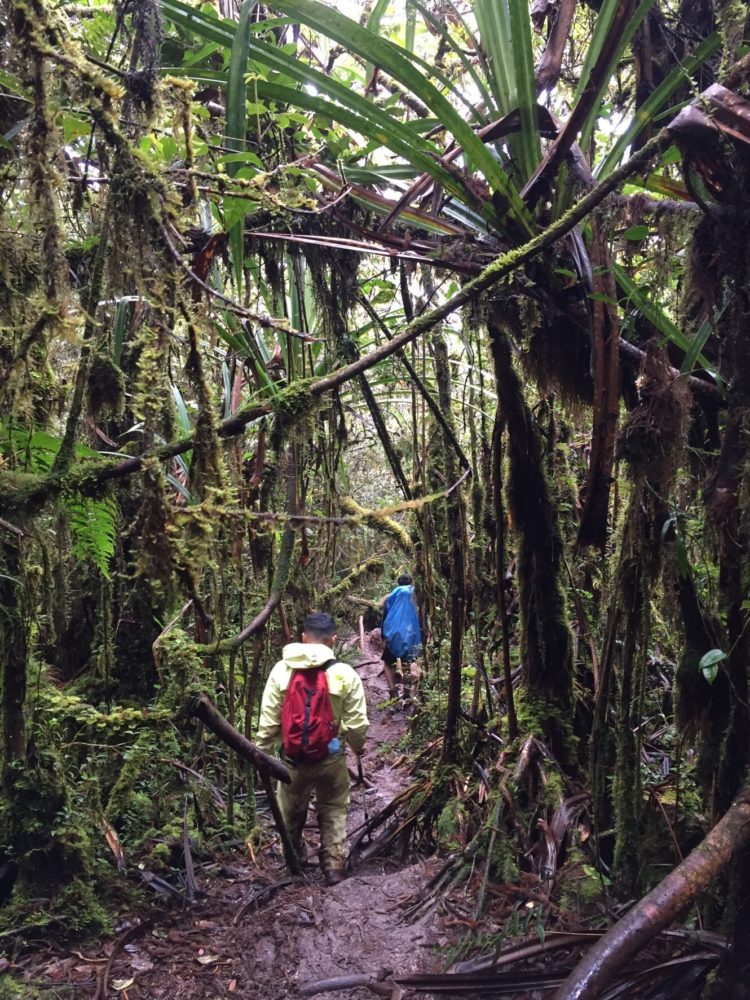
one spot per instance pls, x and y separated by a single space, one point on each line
457 547
545 636
727 498
652 442
14 639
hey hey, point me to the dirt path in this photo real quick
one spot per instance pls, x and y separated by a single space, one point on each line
298 932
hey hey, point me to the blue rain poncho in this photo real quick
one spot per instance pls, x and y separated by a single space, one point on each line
401 623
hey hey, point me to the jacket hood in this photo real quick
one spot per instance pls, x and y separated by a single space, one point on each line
304 655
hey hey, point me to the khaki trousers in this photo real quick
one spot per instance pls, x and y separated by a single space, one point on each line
329 780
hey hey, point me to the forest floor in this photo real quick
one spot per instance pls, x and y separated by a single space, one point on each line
256 933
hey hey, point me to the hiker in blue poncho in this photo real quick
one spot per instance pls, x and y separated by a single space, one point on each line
402 634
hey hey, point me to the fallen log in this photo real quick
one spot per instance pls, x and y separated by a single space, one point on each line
660 907
204 710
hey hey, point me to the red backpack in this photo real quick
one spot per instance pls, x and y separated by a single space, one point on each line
307 722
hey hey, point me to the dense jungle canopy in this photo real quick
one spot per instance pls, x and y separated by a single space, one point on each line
299 296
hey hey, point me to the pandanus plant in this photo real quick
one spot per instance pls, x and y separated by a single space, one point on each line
459 162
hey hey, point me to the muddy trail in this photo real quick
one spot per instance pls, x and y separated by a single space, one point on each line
253 931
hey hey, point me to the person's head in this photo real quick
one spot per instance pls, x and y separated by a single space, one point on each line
319 627
404 580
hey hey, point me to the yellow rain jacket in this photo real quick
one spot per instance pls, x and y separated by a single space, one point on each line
344 686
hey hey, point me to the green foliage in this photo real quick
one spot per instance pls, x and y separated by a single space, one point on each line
93 524
167 284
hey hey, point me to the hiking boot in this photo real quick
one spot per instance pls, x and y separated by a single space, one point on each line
333 876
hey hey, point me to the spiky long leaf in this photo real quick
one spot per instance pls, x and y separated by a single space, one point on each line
656 101
656 316
373 24
494 28
358 114
394 60
236 125
210 28
505 28
372 121
525 83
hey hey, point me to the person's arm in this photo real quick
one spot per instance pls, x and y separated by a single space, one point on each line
354 721
269 726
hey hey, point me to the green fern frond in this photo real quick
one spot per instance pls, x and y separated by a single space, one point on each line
92 524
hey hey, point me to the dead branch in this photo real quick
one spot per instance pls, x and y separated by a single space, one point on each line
660 907
258 895
204 710
381 987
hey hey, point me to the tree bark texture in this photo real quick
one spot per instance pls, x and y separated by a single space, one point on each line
545 637
605 362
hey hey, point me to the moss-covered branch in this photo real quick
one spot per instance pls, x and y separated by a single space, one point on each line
373 566
379 521
48 487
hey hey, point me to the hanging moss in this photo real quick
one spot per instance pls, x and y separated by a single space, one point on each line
334 274
545 637
206 467
294 409
654 435
106 385
653 441
152 398
154 556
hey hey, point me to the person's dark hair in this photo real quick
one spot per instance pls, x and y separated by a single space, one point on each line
404 580
319 625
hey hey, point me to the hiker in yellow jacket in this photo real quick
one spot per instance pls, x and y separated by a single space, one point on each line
328 778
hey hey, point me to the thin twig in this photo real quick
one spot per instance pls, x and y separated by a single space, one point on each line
262 320
117 945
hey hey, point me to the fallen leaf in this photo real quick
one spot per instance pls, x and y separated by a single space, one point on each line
232 985
122 984
208 959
